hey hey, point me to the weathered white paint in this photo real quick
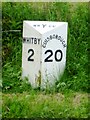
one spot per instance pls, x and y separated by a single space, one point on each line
42 36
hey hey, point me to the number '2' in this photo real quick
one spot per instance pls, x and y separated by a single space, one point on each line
32 53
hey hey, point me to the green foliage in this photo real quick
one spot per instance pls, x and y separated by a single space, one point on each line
77 52
12 80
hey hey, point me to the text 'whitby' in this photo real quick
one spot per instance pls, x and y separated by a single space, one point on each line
32 40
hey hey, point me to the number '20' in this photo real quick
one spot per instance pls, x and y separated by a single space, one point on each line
57 53
48 58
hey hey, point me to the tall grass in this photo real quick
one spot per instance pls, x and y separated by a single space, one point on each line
76 14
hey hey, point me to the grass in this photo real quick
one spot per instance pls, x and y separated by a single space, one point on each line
56 105
69 97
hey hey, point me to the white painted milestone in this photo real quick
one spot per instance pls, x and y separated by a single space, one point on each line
44 52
